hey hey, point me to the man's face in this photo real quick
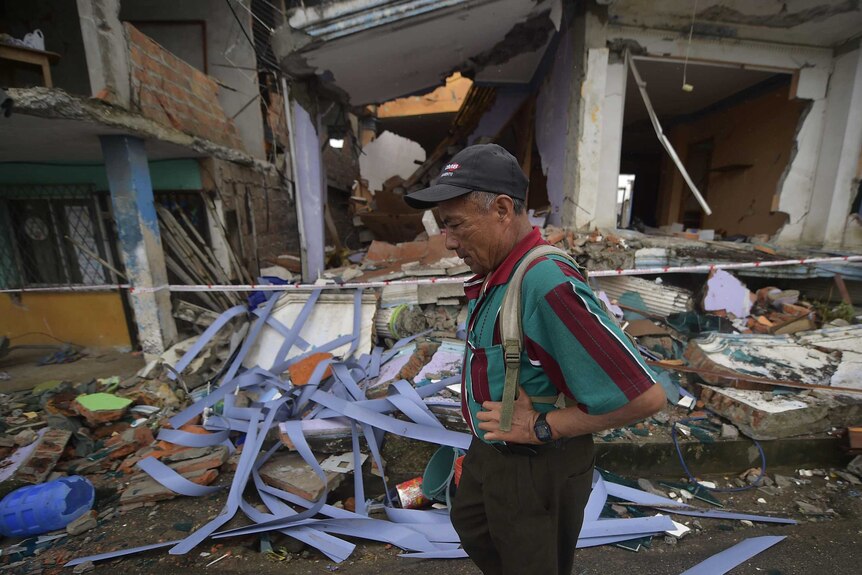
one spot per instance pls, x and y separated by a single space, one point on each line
476 235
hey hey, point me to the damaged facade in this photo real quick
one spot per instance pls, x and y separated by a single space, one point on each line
761 104
220 184
156 153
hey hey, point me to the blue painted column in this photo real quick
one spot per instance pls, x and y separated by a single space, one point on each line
140 243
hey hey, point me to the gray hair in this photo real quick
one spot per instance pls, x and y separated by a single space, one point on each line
485 199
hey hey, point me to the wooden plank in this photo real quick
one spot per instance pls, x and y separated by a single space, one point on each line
842 289
184 276
242 272
208 257
197 273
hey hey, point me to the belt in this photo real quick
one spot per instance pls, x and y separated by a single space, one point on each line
523 449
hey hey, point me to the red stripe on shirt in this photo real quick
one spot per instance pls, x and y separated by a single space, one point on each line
549 365
599 342
479 376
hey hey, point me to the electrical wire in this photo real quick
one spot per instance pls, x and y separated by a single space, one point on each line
253 15
691 477
258 57
688 46
20 335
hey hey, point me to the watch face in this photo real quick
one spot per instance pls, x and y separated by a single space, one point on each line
543 431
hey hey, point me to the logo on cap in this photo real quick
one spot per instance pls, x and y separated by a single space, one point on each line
449 169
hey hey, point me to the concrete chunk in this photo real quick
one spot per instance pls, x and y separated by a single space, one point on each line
82 524
289 472
760 415
144 489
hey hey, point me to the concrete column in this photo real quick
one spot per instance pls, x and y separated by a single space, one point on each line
582 212
839 154
106 49
612 112
583 138
141 245
556 117
851 148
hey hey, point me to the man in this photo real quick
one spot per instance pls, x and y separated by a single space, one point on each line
519 504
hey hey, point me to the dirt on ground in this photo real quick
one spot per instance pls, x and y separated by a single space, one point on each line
825 540
24 372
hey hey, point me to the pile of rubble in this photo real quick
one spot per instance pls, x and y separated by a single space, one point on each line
298 392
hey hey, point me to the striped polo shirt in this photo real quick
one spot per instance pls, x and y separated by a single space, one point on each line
570 344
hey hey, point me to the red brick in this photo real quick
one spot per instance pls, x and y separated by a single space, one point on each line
40 463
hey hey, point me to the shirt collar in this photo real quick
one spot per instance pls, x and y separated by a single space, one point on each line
501 275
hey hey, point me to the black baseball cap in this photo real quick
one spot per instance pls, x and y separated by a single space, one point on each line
480 168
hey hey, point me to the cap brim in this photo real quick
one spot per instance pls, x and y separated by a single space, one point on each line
430 197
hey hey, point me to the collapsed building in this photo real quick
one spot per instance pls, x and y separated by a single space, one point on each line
235 110
235 172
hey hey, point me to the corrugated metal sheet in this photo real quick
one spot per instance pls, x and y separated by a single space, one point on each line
660 299
338 19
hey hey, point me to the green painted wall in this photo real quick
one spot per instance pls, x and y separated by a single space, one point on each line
166 174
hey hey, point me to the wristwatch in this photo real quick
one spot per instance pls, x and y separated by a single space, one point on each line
542 429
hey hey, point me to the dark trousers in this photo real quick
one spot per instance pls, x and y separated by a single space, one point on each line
521 514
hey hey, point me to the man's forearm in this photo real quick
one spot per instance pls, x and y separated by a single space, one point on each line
571 421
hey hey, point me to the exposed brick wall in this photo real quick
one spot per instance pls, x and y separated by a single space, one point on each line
265 215
170 91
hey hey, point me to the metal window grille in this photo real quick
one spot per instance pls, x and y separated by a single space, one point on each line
52 236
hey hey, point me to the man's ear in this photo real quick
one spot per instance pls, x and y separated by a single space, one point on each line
503 206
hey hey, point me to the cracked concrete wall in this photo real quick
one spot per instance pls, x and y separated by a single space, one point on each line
259 205
831 183
797 185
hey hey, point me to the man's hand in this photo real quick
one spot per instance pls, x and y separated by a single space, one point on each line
523 419
568 422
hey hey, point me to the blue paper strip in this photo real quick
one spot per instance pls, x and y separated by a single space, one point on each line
392 425
736 555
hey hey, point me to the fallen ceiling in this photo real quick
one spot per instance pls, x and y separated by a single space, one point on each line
375 51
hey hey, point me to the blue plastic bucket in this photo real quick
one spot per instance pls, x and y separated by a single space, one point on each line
37 509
